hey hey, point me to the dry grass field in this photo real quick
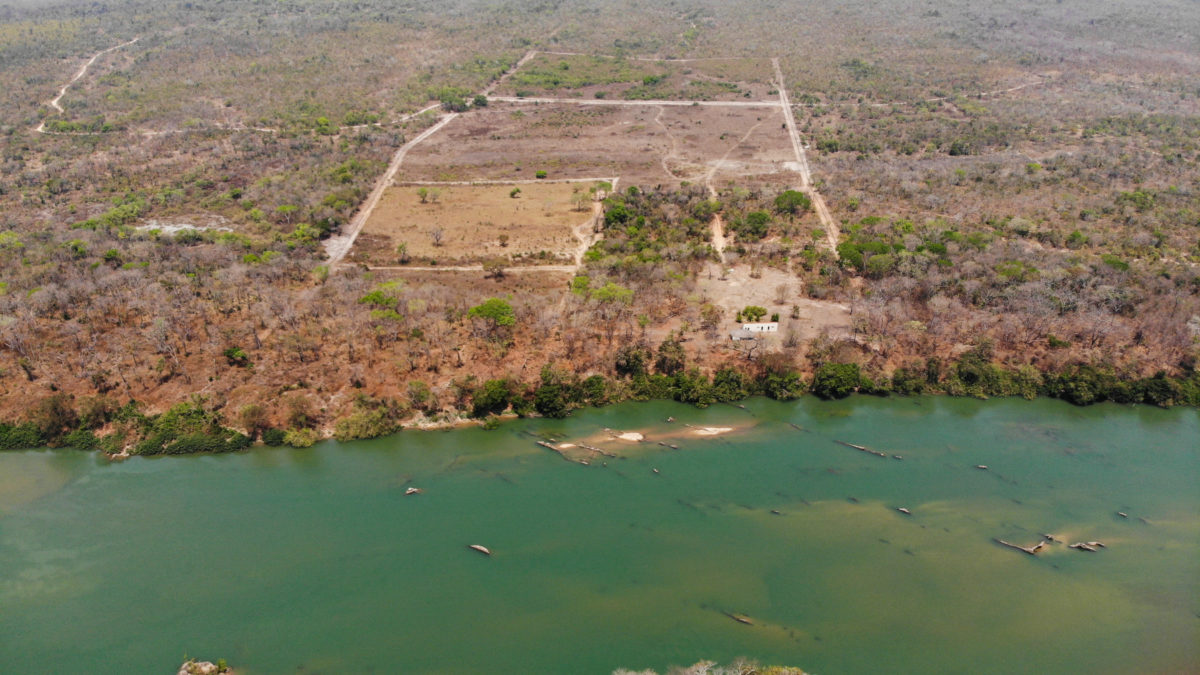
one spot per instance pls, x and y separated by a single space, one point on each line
593 76
476 223
644 145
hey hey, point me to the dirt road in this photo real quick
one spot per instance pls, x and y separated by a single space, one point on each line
338 246
41 127
832 233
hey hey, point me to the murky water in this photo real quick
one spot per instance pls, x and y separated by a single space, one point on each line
285 561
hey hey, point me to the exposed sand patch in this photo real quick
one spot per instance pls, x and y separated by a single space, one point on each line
632 436
711 431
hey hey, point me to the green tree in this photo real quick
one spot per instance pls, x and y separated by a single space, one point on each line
493 397
631 360
753 313
730 384
836 380
496 315
793 202
671 358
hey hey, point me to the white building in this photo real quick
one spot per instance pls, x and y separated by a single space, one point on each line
770 327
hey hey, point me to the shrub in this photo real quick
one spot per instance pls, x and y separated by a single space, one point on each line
81 439
273 437
730 384
22 437
693 387
836 380
236 356
793 201
631 360
493 397
671 358
300 438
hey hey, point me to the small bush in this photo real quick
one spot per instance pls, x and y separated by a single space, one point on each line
274 437
300 438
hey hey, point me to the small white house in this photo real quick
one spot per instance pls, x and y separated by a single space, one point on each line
767 327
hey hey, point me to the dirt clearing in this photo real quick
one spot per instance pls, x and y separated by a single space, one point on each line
645 145
526 224
587 76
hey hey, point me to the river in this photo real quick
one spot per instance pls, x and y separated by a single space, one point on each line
315 561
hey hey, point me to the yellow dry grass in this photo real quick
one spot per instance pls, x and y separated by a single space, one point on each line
474 221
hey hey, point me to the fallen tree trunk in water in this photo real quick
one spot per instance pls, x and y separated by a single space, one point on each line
1031 550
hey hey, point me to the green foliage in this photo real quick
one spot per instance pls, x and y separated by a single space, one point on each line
494 397
274 437
496 314
187 428
783 384
753 313
730 385
21 437
908 381
54 416
126 212
793 202
1140 200
671 358
753 227
81 439
1114 262
836 380
692 386
632 360
371 418
553 397
611 293
236 356
300 438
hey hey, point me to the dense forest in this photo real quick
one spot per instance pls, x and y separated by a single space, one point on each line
1014 187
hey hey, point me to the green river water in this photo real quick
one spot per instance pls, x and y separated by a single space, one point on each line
314 561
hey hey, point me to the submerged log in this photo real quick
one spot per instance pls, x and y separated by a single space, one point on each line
482 549
862 448
1031 550
592 448
1080 546
562 454
740 618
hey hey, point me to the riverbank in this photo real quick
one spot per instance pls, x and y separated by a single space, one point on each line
123 429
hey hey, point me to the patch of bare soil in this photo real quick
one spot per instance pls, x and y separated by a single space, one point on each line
779 292
644 145
456 224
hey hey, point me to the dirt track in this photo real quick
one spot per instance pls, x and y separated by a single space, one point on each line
53 103
832 233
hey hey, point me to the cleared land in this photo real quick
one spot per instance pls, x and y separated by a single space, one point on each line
588 76
464 224
643 144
